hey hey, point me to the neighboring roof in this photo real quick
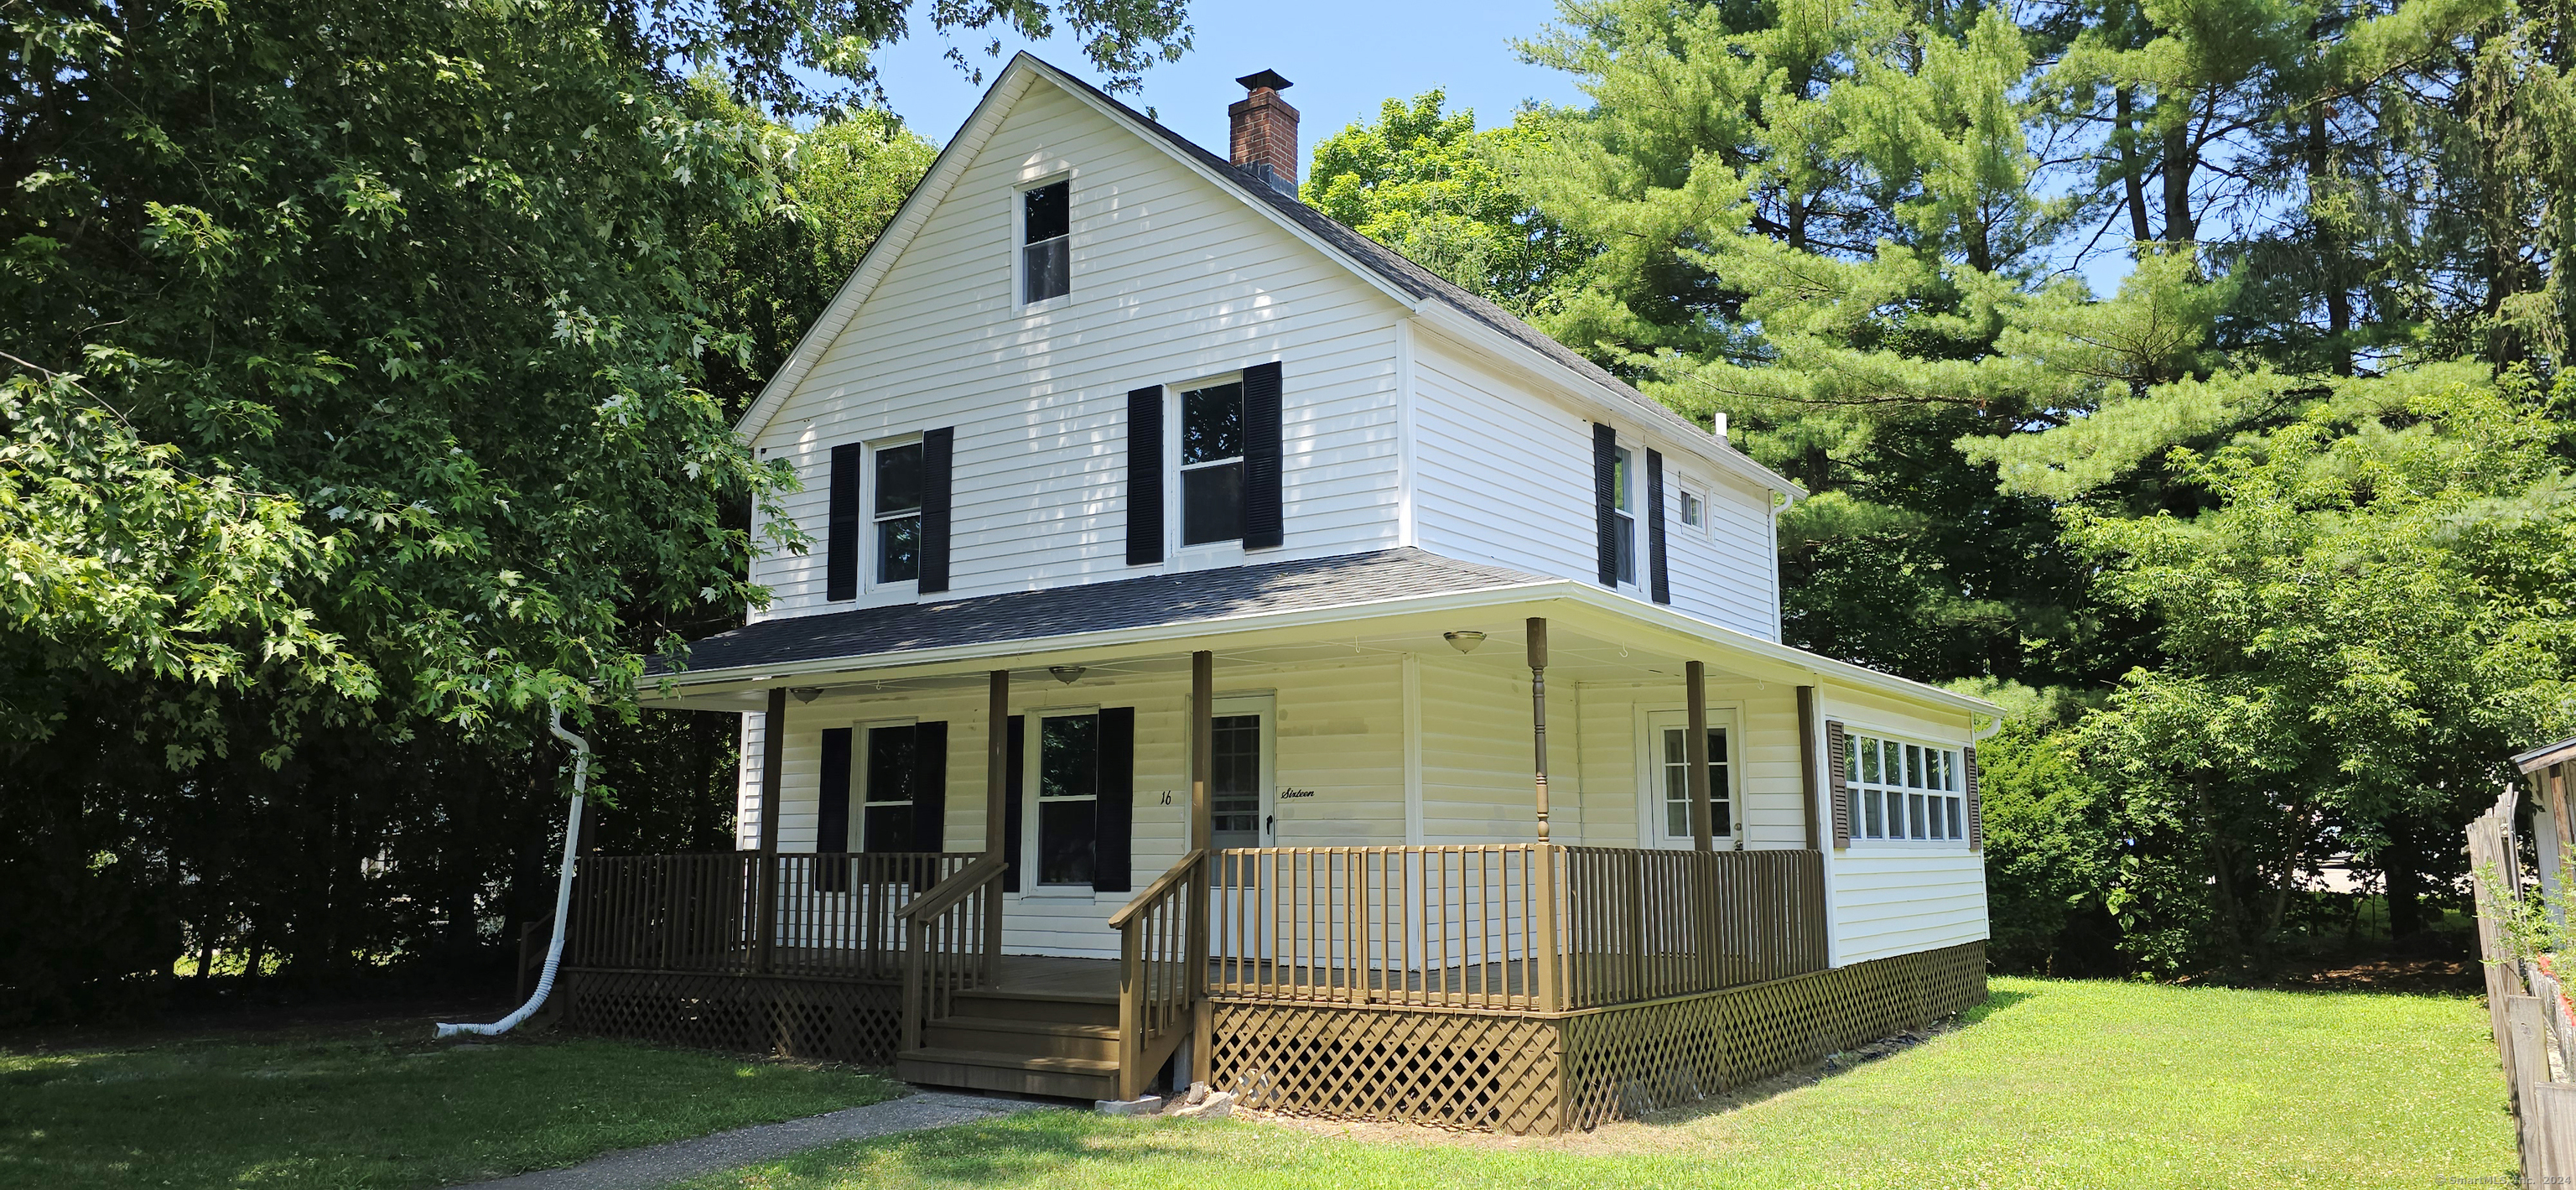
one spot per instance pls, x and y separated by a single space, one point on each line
1150 601
1383 264
2545 755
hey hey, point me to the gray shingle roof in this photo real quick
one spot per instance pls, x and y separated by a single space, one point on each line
1265 587
1398 270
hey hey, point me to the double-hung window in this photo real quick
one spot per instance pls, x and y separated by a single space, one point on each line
897 512
893 764
1046 242
1904 792
1624 514
1212 463
1068 773
1674 746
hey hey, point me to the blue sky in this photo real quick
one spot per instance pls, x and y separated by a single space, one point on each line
1344 57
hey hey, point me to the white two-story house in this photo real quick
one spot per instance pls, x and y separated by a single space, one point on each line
1229 651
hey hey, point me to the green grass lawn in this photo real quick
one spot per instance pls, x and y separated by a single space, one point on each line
2050 1084
374 1110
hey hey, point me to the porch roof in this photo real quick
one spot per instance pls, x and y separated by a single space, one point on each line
1381 601
1150 601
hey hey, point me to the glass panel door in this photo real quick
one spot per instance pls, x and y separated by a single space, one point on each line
1234 791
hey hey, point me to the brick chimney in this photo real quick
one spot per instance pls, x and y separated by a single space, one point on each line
1265 131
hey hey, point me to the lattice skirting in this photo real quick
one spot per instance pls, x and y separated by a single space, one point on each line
1528 1074
827 1020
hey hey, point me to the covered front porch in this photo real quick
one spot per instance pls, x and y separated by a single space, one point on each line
1403 858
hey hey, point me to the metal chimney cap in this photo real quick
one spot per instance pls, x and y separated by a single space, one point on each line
1266 78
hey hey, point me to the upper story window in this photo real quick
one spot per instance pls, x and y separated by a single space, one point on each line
897 511
1623 495
1046 253
1904 792
1212 463
1694 511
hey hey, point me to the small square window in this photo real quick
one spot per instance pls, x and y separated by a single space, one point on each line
1046 254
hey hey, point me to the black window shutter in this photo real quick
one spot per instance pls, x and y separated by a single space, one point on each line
1113 822
1264 524
841 536
1014 772
1605 499
833 831
1658 589
937 448
1838 783
1145 476
1976 806
929 786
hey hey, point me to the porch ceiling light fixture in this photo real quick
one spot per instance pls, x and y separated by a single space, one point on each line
807 693
1464 642
1067 674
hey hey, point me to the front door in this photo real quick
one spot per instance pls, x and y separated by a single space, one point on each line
1239 774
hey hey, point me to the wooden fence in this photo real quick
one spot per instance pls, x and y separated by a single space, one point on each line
2535 1039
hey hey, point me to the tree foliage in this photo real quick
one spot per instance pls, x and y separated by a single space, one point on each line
369 386
1855 227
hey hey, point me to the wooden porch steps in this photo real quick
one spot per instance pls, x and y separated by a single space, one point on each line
1025 1041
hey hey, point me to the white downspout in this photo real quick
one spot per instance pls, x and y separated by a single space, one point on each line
563 890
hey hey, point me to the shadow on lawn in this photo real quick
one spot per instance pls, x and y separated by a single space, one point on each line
1030 1146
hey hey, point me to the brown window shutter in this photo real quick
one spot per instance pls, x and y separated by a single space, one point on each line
1839 782
1976 808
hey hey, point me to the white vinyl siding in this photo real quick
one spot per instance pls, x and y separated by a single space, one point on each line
1505 476
1176 280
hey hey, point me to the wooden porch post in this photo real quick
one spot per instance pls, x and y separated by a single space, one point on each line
773 768
1202 838
997 806
1695 755
1538 712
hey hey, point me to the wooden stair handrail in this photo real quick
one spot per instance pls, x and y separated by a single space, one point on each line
940 897
1160 993
928 986
1161 885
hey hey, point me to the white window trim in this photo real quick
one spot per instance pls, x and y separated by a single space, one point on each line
1687 488
1028 795
1019 242
1207 555
1652 722
873 593
1860 840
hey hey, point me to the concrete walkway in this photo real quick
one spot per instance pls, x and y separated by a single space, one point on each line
680 1160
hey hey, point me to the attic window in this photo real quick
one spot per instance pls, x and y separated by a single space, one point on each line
1046 254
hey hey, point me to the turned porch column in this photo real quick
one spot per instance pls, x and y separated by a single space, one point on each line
1695 757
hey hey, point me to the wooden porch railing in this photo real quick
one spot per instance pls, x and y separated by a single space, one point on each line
953 941
1162 971
1642 925
835 915
1527 926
